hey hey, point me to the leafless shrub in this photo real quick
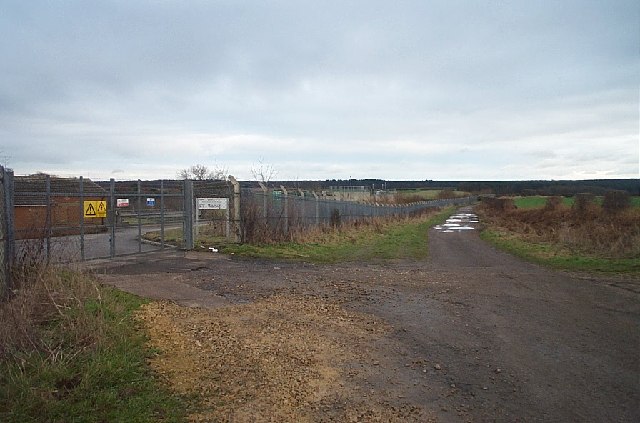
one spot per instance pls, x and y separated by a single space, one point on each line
616 201
200 172
594 232
268 227
263 172
583 202
334 220
42 296
31 256
498 204
405 199
446 193
553 203
254 227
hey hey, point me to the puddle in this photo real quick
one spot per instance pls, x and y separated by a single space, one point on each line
458 222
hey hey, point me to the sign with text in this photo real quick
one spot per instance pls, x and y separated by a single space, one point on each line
213 203
95 208
122 202
151 202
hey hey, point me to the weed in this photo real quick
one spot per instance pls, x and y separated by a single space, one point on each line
582 236
583 204
334 220
616 201
70 351
370 239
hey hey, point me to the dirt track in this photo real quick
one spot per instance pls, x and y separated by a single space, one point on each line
472 334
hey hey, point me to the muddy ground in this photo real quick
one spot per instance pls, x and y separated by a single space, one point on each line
471 334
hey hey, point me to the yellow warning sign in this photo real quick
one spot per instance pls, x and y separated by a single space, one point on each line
95 209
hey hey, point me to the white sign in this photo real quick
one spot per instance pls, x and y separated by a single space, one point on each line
213 203
151 202
122 202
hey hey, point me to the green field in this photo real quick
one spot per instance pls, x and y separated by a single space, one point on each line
538 201
426 194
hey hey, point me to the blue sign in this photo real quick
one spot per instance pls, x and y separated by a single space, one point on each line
151 202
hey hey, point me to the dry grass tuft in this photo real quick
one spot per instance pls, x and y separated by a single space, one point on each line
42 298
585 228
260 230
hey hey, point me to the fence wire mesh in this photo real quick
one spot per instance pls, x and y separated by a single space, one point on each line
51 217
71 219
274 214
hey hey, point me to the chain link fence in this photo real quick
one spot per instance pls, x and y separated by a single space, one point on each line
73 219
274 214
69 219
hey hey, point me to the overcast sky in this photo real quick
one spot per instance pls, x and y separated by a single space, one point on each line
457 90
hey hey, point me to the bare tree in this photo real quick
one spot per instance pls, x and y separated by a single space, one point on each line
5 159
201 172
262 172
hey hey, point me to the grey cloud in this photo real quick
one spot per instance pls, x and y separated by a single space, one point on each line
485 76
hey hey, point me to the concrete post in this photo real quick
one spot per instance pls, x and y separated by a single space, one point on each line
236 208
264 201
227 227
317 208
285 209
187 228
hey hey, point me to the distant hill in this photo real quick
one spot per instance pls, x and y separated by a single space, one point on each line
540 187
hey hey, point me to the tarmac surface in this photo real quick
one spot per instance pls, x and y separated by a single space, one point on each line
473 334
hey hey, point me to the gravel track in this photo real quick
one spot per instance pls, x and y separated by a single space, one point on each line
471 334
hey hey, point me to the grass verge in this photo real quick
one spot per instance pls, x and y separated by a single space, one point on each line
554 256
70 351
371 241
539 201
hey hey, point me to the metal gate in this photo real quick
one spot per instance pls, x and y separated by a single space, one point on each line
73 219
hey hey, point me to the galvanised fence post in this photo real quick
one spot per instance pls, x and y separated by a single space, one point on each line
7 234
188 215
162 214
112 207
48 216
4 270
81 203
139 210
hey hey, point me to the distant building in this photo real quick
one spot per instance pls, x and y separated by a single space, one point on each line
64 200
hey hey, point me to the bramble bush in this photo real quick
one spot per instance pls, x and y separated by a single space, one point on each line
608 231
